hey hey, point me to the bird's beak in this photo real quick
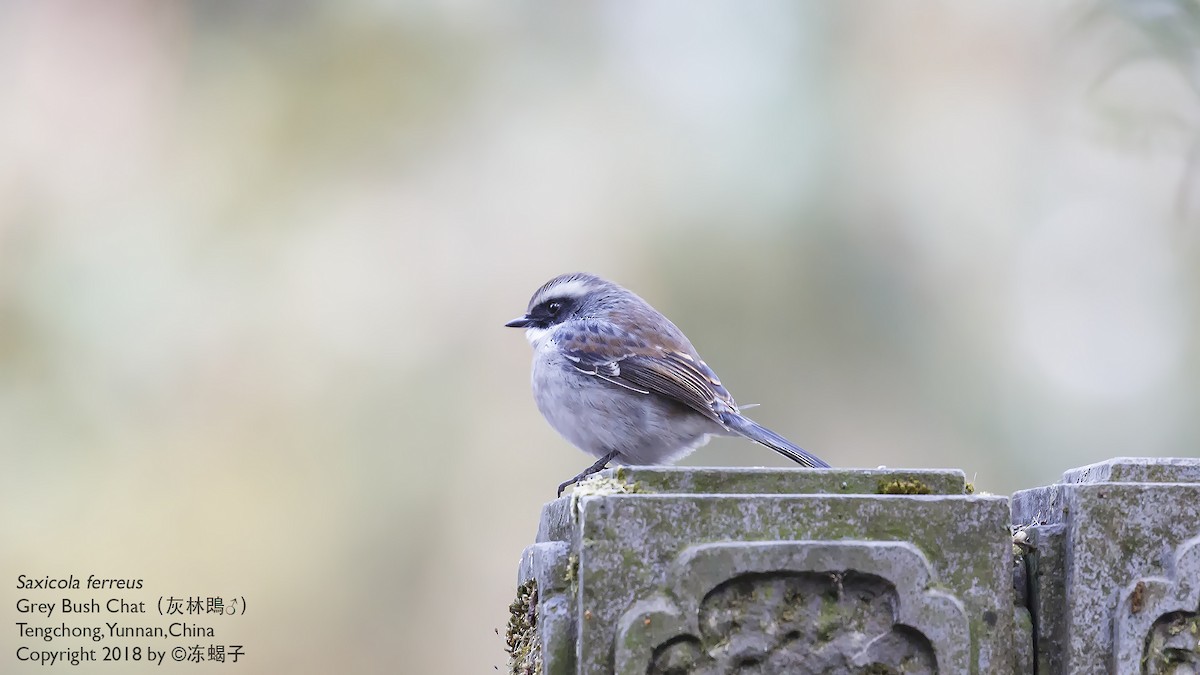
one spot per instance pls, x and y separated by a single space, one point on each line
519 322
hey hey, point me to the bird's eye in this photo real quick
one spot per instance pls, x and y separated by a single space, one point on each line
553 307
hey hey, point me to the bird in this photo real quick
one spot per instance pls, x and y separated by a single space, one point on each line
622 383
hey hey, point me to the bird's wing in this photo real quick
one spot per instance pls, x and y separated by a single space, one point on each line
628 360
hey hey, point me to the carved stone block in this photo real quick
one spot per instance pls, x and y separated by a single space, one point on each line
1114 567
675 571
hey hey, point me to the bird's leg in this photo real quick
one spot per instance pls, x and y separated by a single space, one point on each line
599 465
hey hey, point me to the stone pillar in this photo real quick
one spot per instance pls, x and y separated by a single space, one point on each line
1113 560
675 571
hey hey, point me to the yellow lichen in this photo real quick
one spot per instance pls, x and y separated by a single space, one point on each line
903 487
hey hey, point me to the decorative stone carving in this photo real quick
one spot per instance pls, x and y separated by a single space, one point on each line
796 607
661 571
1114 566
676 570
1173 646
1158 619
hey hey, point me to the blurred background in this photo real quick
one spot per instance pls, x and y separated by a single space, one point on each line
255 259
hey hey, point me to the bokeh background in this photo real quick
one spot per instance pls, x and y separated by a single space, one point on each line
255 259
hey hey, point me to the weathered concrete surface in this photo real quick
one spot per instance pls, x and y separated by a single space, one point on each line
1114 567
678 571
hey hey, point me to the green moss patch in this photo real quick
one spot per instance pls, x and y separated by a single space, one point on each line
524 644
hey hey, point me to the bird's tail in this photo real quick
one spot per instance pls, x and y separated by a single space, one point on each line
756 432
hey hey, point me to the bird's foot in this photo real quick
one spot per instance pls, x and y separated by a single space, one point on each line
598 466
